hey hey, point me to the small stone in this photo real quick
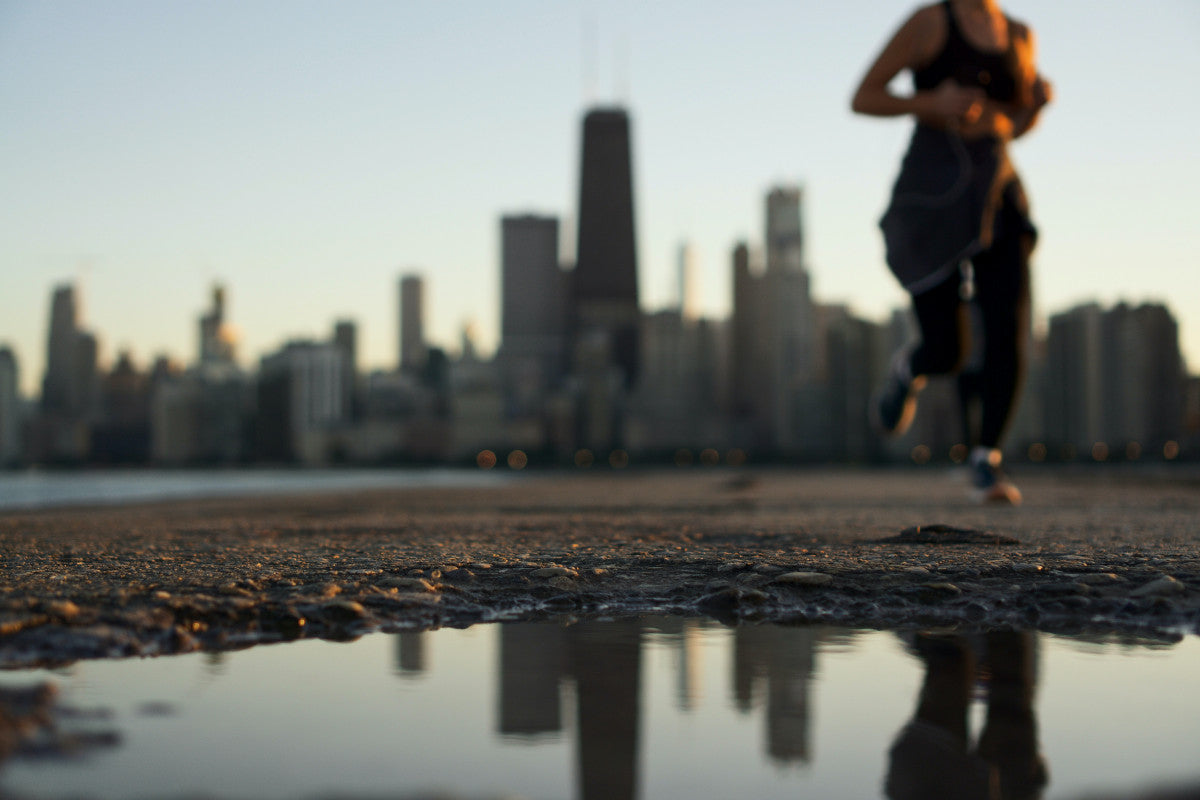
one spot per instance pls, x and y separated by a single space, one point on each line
942 587
478 565
767 569
1161 587
1063 588
64 609
555 572
804 579
407 584
345 610
1027 567
330 590
732 566
1099 578
726 601
1072 558
161 595
919 572
563 582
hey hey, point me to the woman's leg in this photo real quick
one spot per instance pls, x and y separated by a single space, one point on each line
941 317
1002 292
942 323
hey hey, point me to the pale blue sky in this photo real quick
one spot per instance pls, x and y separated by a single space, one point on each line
308 153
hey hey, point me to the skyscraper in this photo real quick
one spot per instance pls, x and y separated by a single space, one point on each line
689 286
604 284
785 236
412 323
10 416
217 338
533 310
69 352
345 338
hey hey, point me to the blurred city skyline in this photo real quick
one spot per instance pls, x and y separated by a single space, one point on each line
306 158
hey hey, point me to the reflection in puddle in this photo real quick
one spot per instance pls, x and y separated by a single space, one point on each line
647 708
34 726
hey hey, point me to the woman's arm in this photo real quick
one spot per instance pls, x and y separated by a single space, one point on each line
1011 120
914 44
1039 91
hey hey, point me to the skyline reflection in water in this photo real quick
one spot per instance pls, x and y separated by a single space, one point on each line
646 708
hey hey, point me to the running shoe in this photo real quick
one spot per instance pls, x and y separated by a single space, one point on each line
894 407
989 484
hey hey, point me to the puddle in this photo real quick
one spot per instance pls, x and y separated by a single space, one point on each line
653 708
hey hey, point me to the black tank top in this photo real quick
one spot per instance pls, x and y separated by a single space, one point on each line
995 73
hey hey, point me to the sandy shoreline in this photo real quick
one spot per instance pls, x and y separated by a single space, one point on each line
1115 551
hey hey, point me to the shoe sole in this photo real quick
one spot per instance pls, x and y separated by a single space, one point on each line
1001 494
907 414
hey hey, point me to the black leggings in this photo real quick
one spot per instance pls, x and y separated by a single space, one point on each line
1001 296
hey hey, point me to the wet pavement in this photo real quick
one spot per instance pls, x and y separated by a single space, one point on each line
1105 550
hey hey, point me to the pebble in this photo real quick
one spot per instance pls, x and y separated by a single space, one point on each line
1161 587
407 584
804 579
563 582
330 590
1099 578
1027 567
64 609
942 587
346 610
555 572
1062 588
767 569
919 572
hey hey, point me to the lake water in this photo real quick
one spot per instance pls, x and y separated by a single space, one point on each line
651 708
46 489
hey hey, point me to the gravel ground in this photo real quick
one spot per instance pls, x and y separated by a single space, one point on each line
1102 550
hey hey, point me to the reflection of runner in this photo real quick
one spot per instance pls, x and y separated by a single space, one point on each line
932 757
957 199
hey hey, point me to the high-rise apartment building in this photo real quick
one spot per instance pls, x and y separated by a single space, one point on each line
533 311
413 348
1114 382
345 338
300 398
605 282
773 356
1074 403
10 408
688 283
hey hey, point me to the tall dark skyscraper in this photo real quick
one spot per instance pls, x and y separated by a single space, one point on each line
604 285
70 386
533 310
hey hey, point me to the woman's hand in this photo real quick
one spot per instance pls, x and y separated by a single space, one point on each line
1043 92
953 105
